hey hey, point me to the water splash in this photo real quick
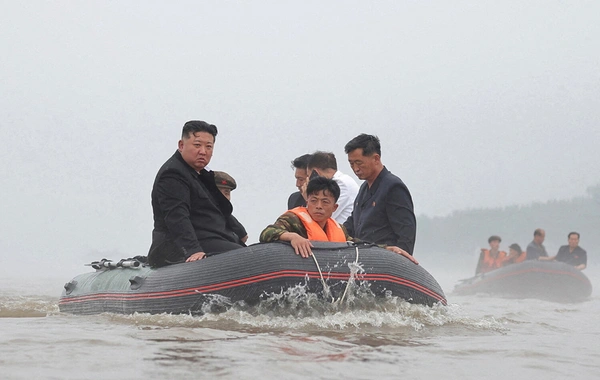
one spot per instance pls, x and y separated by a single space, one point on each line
296 309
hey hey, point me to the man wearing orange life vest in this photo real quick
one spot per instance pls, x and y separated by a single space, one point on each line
314 222
492 258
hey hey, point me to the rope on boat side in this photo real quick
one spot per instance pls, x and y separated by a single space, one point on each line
348 283
326 287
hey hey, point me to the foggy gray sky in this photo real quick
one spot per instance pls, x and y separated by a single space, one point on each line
477 104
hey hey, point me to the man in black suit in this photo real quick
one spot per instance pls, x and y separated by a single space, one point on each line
192 218
383 210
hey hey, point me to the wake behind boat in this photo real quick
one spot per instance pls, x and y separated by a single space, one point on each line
249 275
546 280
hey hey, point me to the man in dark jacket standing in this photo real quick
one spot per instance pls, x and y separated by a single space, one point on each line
383 210
192 218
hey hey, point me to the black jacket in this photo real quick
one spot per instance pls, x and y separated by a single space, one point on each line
296 200
188 207
575 258
383 214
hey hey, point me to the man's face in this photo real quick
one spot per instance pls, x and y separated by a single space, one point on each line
321 206
301 177
540 238
494 244
363 166
197 149
573 241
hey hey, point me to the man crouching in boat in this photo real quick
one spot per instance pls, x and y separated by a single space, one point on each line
192 218
300 225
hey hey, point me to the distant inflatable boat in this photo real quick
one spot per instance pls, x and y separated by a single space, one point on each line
547 280
248 275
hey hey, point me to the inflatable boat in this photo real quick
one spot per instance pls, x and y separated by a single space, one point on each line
248 275
547 280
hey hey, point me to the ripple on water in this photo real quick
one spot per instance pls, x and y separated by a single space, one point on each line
27 306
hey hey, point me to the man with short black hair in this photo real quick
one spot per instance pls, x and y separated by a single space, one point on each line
299 165
571 253
536 249
314 222
191 215
383 210
325 165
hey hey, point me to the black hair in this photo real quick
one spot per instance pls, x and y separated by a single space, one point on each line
322 160
369 144
194 126
573 233
301 162
325 184
537 232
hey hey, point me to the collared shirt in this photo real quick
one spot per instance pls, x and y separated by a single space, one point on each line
348 192
575 258
535 250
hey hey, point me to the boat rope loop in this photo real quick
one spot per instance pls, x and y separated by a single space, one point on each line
350 277
326 290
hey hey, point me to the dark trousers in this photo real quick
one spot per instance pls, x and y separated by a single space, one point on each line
213 246
167 253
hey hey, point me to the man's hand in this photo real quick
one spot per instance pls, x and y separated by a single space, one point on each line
196 256
402 252
301 245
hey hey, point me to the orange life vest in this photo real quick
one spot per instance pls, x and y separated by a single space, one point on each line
516 259
333 231
491 263
521 257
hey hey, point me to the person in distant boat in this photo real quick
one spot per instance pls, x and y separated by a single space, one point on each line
226 184
191 216
383 210
325 165
571 254
492 258
300 225
299 165
536 249
515 254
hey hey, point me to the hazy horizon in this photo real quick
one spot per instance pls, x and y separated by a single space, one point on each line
477 105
